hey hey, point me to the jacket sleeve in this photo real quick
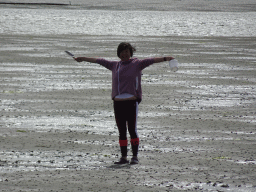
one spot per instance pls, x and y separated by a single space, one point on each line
105 63
145 63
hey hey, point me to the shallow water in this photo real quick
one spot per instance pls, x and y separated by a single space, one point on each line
125 23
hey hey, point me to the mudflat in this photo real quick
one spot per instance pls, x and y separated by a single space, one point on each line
197 126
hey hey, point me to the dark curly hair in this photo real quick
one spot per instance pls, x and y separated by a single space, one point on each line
123 46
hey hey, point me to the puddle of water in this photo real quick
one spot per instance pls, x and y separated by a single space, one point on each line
246 162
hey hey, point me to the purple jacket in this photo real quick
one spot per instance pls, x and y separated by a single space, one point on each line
126 75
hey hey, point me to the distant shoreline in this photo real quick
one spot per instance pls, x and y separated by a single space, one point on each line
13 3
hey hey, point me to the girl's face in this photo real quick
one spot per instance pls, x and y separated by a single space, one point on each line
125 55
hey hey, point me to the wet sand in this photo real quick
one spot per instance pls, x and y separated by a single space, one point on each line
197 126
162 5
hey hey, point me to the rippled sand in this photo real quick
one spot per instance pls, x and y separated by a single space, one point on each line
197 126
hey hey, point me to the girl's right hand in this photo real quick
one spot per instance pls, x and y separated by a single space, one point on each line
79 59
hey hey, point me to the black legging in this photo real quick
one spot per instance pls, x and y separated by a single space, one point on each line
126 114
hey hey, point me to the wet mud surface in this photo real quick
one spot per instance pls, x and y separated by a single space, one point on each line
197 126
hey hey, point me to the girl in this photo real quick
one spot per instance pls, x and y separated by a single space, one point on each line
126 93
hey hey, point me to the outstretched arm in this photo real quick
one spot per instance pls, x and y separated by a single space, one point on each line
162 59
88 59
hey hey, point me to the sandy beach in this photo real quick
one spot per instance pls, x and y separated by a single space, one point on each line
197 126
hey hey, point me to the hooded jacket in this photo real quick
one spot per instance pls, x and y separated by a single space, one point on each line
126 75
